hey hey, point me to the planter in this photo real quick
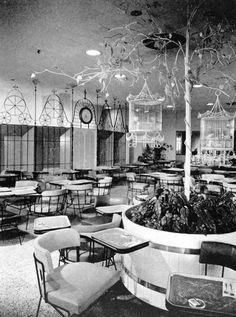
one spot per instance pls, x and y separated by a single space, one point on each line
145 272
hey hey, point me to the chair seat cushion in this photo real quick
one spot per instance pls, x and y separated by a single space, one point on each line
76 286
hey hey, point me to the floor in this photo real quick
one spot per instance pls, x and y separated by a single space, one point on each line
19 291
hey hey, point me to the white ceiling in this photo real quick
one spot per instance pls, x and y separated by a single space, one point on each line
54 34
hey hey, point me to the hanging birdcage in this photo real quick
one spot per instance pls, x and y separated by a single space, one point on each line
217 131
145 118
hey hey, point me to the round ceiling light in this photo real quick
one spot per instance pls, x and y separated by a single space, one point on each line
93 53
120 76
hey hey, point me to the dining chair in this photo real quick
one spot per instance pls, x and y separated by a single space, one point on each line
102 191
80 198
21 201
71 288
50 202
218 253
175 183
9 222
135 187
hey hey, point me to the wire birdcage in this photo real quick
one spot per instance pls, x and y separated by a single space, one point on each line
145 118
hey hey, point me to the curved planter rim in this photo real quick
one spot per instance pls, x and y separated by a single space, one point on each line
191 240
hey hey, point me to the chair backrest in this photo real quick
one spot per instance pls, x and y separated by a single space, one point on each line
103 187
218 253
115 223
106 179
80 195
26 183
174 183
130 176
53 193
144 178
52 241
83 187
51 201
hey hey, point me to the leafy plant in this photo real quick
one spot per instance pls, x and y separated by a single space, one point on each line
172 212
155 153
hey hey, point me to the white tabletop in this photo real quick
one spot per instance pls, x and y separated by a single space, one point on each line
110 210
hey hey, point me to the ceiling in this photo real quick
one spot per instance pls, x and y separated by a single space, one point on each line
54 34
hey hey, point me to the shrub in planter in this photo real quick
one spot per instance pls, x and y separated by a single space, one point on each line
172 212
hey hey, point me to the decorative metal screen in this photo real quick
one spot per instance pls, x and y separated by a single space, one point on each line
84 148
105 148
52 148
16 147
119 148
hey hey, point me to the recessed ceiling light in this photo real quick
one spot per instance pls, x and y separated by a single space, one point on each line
210 104
120 76
93 52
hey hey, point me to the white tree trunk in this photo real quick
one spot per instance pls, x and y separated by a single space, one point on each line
188 128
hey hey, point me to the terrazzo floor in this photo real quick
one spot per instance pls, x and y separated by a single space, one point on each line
19 291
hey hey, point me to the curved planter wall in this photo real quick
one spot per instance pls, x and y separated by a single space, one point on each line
145 272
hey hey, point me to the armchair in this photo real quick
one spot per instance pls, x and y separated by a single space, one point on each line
73 287
102 191
136 186
51 202
80 197
9 222
21 201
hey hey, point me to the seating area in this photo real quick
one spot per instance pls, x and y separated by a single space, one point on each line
118 158
63 196
75 208
91 222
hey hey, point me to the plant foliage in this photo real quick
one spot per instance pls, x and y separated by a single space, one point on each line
172 212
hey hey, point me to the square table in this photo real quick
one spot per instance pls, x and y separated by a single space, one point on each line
117 240
110 210
44 224
199 295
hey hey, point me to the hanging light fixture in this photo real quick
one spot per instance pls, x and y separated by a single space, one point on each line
145 118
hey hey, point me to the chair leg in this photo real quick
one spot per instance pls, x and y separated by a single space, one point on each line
223 269
40 299
27 220
18 232
205 269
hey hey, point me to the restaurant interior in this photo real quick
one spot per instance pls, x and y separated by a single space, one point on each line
118 158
